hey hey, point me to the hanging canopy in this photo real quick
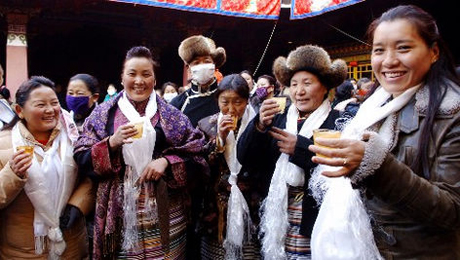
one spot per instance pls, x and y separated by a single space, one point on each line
258 9
308 8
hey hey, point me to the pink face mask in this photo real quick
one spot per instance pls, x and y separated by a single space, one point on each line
262 92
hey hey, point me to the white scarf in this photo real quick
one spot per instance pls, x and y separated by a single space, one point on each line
49 186
238 211
137 155
342 229
274 221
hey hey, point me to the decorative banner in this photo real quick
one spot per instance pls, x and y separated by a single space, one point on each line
308 8
257 9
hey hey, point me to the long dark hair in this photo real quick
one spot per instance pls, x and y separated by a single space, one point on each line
438 79
23 93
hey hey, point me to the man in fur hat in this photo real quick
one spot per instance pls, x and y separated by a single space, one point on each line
202 58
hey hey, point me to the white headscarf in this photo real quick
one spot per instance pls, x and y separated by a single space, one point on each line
342 229
238 211
136 156
274 221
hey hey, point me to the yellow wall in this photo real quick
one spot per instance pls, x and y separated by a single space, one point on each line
363 69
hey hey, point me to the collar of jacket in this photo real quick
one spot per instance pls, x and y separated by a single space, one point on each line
29 137
197 89
409 115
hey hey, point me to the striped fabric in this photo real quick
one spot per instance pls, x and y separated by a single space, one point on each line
150 246
212 250
297 246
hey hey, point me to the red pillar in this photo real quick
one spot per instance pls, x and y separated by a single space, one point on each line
16 52
185 75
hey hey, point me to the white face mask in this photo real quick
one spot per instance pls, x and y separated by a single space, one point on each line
111 91
203 73
169 96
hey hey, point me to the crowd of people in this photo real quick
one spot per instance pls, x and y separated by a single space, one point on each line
228 168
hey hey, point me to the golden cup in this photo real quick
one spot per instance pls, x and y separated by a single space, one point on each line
325 133
281 103
29 149
235 122
140 129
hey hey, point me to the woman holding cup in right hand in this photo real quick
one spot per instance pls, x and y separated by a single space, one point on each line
276 144
402 149
42 199
141 177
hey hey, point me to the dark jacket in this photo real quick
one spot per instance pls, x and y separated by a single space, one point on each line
415 217
258 152
218 187
196 104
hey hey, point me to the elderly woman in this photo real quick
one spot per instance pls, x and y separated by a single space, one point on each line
275 145
230 185
403 146
42 200
139 149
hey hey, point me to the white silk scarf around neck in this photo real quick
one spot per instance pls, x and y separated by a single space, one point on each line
274 220
136 156
48 187
238 211
342 229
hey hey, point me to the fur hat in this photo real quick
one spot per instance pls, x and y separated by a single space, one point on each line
313 59
198 45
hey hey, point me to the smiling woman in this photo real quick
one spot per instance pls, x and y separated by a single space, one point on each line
143 167
402 149
274 149
400 56
40 111
38 180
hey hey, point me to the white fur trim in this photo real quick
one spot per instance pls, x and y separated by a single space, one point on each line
374 155
450 104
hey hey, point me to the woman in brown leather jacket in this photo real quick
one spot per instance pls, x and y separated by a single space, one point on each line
407 161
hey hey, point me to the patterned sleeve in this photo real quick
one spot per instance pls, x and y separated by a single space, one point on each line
186 144
92 152
104 161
